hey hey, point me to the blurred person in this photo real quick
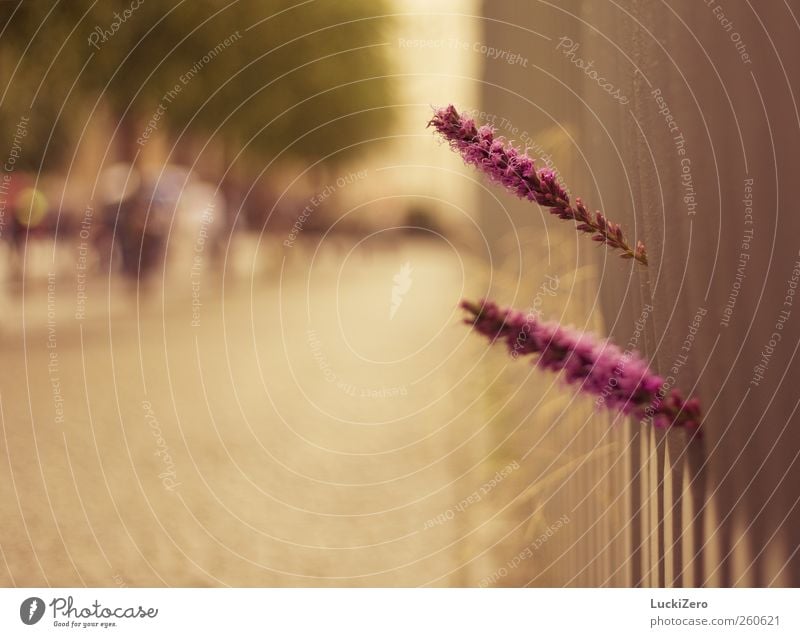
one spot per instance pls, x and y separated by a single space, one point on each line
202 226
134 218
28 222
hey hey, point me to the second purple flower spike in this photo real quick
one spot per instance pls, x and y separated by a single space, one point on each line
512 168
621 380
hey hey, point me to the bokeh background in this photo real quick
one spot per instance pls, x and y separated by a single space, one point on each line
231 257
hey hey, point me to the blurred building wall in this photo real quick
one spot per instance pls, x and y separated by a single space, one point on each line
415 186
722 511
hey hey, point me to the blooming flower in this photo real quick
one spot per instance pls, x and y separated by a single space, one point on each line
512 168
621 380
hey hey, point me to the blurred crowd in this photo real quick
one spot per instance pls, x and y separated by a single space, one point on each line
138 220
125 228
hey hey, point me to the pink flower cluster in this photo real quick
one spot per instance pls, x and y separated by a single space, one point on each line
512 168
621 380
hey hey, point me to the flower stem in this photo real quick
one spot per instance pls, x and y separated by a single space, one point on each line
511 167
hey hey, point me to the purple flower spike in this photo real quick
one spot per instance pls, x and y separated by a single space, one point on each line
620 380
512 168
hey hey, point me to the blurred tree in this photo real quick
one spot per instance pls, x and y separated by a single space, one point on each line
265 74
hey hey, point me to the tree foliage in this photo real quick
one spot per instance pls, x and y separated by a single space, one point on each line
264 75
